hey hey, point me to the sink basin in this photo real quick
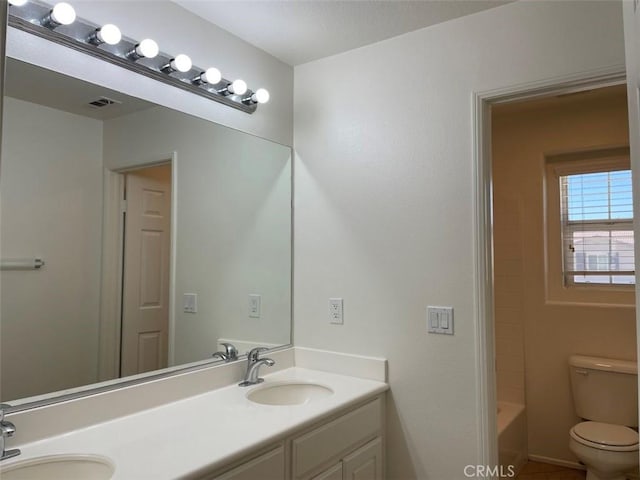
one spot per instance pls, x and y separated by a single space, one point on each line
70 467
288 393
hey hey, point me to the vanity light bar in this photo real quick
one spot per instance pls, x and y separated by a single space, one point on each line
59 24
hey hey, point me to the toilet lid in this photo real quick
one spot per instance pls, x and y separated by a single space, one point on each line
606 434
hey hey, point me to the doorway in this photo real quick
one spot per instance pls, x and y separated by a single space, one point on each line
484 242
563 260
145 270
138 255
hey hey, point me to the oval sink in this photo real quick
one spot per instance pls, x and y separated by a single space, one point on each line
85 467
289 393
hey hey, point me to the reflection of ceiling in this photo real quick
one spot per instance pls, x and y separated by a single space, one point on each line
46 87
297 32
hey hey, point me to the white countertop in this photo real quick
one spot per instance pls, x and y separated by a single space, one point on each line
194 436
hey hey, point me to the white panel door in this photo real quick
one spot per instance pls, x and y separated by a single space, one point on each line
145 297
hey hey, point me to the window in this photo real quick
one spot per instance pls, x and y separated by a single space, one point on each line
589 256
597 226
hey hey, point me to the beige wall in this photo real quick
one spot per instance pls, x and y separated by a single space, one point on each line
529 330
51 206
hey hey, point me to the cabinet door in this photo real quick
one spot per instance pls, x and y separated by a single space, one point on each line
334 473
269 466
365 463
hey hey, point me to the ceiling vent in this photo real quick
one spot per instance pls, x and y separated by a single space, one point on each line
103 102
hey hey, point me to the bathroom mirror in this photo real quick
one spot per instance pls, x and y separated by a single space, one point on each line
159 235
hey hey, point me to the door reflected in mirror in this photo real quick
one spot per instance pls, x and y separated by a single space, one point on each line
162 236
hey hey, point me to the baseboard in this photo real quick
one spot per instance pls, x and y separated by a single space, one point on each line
557 461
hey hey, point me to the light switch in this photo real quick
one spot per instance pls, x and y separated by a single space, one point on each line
440 320
190 302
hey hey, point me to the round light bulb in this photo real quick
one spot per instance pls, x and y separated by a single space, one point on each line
260 96
239 87
17 3
147 48
181 63
212 76
63 13
109 34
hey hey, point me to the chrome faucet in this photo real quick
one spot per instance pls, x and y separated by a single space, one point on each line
8 429
253 367
230 353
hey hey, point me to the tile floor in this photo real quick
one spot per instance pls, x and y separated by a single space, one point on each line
545 471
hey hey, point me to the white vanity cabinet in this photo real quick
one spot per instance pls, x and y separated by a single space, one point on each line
348 445
317 453
268 466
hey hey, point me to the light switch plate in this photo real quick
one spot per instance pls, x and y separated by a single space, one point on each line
255 305
336 311
190 302
440 320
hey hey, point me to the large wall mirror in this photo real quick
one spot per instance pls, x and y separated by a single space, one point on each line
162 236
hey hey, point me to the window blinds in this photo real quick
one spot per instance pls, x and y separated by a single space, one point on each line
597 227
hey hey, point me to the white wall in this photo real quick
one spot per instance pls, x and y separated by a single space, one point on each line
384 207
632 48
177 31
233 224
51 206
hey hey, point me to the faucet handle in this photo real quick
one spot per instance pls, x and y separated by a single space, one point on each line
3 407
254 354
231 351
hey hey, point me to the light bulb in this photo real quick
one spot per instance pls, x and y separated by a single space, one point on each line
17 3
212 76
63 14
239 87
147 48
181 63
109 34
260 96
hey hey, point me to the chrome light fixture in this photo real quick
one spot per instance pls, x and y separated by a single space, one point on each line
237 87
109 34
143 57
61 14
147 48
210 75
181 63
259 96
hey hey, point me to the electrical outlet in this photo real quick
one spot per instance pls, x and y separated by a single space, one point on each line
190 302
336 311
255 305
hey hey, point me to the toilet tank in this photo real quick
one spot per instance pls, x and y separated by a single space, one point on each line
604 389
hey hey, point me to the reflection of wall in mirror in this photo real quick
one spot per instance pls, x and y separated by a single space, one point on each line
233 224
51 207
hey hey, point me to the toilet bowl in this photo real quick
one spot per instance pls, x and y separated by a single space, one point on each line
607 450
605 392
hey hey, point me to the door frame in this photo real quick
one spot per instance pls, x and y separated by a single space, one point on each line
486 401
112 254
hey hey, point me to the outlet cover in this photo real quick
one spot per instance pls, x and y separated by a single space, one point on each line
255 305
440 320
336 311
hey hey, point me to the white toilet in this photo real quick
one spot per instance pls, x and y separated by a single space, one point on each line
605 392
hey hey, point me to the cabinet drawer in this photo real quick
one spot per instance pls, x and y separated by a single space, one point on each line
335 438
269 466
